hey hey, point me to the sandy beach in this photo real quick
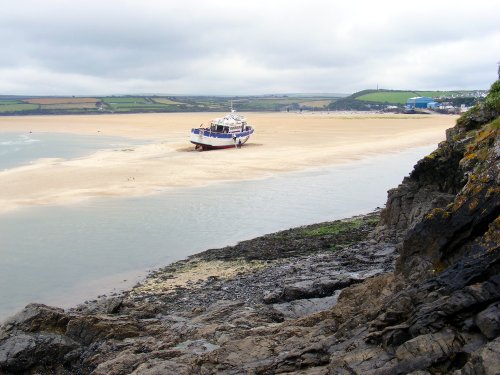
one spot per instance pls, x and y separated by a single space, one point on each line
282 142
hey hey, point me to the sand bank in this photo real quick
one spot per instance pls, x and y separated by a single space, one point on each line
282 142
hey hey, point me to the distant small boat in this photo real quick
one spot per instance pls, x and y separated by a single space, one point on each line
231 130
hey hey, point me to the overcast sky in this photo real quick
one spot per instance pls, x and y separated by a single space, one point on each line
57 47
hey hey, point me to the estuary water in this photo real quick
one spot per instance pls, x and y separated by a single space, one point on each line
17 149
64 254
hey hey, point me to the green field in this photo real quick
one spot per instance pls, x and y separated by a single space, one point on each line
143 108
10 102
68 106
113 100
263 104
399 97
315 103
363 100
13 108
436 94
387 97
136 105
166 101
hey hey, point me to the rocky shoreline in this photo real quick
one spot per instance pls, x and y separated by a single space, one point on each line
414 289
293 265
267 280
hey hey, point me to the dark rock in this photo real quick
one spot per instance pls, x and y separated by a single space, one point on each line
484 361
165 367
36 317
21 352
308 289
488 321
432 184
87 329
113 305
432 347
197 346
303 307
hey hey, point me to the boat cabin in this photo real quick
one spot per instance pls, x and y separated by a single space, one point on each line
223 126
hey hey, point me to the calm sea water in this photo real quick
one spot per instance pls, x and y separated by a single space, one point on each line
18 149
64 254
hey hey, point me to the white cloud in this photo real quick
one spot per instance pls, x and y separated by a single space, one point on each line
222 46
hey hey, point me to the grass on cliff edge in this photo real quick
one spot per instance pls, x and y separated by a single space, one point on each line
338 227
296 242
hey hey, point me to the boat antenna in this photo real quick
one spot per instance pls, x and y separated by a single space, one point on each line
232 110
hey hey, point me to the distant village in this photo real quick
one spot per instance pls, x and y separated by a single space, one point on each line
456 103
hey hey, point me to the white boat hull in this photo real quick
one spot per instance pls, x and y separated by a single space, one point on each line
209 140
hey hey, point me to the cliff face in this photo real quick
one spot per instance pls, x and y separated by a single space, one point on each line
438 312
433 183
448 268
447 204
437 178
466 226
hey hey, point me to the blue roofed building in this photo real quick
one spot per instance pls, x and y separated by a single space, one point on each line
419 102
432 105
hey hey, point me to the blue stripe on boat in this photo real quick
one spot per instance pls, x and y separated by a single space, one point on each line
221 135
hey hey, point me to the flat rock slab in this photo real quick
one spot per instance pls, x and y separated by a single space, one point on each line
303 307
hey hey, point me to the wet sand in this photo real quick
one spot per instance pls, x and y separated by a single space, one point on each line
282 142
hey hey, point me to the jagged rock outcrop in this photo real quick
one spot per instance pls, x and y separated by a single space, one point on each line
433 183
437 178
447 282
321 304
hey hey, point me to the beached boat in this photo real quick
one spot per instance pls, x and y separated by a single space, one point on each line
231 130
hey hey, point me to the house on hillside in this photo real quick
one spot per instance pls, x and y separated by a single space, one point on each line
418 102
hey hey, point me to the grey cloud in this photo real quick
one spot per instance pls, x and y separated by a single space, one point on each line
244 47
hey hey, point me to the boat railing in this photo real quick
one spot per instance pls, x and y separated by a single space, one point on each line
208 132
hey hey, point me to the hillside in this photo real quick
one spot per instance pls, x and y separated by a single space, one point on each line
379 99
362 100
18 105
